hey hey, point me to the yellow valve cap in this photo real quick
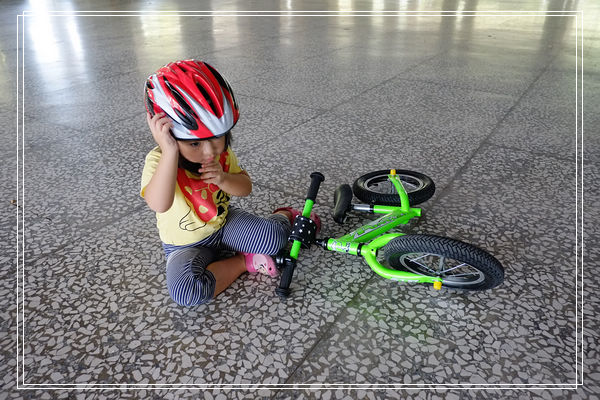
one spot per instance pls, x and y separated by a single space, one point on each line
393 172
437 285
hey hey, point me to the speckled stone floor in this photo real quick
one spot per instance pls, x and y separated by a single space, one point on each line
486 99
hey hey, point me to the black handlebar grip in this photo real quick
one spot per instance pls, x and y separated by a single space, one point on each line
316 179
283 291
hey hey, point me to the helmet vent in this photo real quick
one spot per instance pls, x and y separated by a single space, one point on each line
223 83
207 97
189 117
196 97
149 105
217 75
186 120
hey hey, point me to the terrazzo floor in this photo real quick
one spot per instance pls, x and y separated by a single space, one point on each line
487 99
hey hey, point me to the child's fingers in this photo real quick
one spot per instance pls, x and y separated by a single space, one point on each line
161 119
158 118
209 172
207 177
210 175
160 124
151 120
166 125
211 169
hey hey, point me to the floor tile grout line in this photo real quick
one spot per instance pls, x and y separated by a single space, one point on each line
323 111
485 142
546 67
535 153
108 68
83 130
137 209
331 109
251 96
269 187
345 308
113 221
456 86
327 329
72 239
345 324
320 113
278 68
142 206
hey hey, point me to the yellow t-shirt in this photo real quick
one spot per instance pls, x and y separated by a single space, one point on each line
198 209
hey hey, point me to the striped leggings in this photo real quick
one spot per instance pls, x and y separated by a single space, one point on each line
190 283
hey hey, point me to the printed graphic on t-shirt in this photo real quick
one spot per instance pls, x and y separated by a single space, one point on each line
206 200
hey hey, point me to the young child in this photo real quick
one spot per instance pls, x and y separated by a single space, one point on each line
188 181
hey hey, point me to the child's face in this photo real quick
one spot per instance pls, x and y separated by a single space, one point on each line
202 151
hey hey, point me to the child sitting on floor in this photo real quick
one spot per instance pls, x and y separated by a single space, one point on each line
189 178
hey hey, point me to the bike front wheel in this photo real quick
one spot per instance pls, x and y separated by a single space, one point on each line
460 265
376 188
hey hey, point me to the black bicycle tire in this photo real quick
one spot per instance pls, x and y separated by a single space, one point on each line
423 193
479 259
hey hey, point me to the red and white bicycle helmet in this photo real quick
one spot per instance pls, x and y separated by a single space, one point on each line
195 96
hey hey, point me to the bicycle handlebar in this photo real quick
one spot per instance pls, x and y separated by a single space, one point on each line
316 179
289 263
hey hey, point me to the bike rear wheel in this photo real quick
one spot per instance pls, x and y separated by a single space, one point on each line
460 265
376 188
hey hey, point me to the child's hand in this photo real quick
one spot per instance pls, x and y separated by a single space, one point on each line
160 126
212 173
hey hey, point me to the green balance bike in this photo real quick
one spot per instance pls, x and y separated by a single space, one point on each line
438 260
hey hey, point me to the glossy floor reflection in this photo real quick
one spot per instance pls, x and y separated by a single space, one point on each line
488 104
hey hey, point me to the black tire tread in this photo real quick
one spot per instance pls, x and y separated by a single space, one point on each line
465 252
416 197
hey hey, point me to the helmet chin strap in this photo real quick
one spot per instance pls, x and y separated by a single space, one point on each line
186 164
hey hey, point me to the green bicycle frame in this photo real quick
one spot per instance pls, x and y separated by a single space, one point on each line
356 242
